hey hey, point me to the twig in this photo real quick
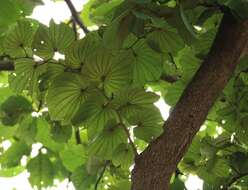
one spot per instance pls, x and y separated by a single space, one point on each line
128 135
75 16
101 175
234 180
74 27
6 66
170 78
77 136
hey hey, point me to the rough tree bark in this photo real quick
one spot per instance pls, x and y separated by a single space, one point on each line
154 167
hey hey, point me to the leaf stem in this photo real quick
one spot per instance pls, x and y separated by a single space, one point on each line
128 135
101 174
75 16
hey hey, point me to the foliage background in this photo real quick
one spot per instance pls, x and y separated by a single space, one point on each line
99 92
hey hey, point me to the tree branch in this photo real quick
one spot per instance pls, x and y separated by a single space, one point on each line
75 16
77 136
155 166
128 135
101 175
6 66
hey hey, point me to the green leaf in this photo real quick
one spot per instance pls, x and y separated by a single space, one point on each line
26 76
27 130
81 179
80 50
65 95
73 156
147 64
14 109
107 141
41 171
9 12
19 39
129 101
123 156
109 71
44 136
166 40
61 133
148 123
48 40
95 113
13 155
11 172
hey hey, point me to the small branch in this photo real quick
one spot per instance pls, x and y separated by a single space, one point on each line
77 136
74 27
101 174
6 66
234 180
128 135
75 16
170 78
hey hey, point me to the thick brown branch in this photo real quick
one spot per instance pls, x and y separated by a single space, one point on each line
154 167
6 66
75 16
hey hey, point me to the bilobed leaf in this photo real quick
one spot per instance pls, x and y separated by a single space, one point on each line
9 13
61 133
80 50
14 109
73 156
48 40
123 156
148 123
13 155
41 171
105 144
26 76
19 39
166 41
109 71
129 101
67 92
94 113
147 64
27 130
81 179
44 136
11 172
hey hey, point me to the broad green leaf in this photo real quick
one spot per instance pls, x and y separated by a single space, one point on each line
80 50
44 136
41 171
14 153
129 101
95 113
107 141
19 39
167 41
14 109
27 130
123 156
73 156
55 38
9 12
11 172
61 133
26 76
81 179
109 71
65 95
147 64
148 123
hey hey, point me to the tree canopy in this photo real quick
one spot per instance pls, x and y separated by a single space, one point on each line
93 109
